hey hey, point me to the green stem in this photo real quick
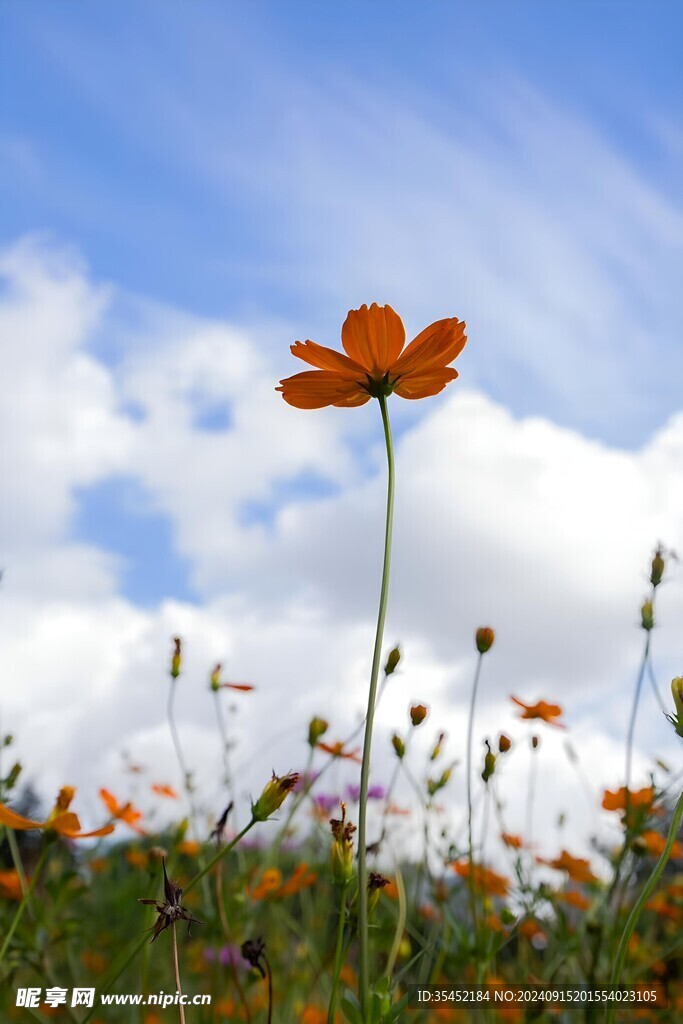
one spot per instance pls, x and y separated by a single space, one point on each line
25 901
640 903
364 971
338 950
470 846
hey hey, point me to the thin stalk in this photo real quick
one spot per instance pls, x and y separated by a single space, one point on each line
641 901
177 973
470 845
225 744
338 952
632 726
364 968
187 777
269 975
24 903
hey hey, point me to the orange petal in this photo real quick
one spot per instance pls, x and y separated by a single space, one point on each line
435 347
17 821
327 359
425 384
106 830
111 801
374 338
241 687
315 389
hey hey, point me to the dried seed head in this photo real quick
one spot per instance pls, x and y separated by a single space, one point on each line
170 909
253 951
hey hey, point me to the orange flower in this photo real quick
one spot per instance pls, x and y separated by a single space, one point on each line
376 362
123 812
577 868
337 750
188 847
482 877
10 885
60 820
573 899
616 801
301 879
164 791
546 712
270 881
655 843
516 842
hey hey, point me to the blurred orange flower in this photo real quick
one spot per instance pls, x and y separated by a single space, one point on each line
616 801
60 820
376 362
302 878
164 791
122 812
483 878
577 868
10 885
516 842
573 899
655 843
337 750
546 712
271 880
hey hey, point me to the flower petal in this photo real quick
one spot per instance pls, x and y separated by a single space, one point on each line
435 347
314 389
425 384
327 359
17 821
106 830
374 338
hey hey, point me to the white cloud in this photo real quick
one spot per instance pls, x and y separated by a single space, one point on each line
514 522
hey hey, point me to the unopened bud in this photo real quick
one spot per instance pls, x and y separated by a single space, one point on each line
176 660
437 747
392 661
418 713
657 568
274 795
647 615
489 764
504 743
215 680
434 785
484 638
677 694
399 746
317 727
535 742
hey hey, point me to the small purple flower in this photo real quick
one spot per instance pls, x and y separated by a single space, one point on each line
326 803
374 793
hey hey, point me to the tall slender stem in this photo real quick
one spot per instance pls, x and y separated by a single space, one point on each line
179 988
470 845
642 900
338 951
364 972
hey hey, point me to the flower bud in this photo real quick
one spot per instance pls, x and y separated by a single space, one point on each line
434 785
341 852
399 746
418 713
484 638
647 615
215 680
504 743
274 795
317 727
657 568
437 747
176 660
489 764
677 694
392 661
535 742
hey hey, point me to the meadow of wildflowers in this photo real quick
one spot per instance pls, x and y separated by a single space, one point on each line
304 905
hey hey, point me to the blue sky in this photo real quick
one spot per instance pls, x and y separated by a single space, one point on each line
188 188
